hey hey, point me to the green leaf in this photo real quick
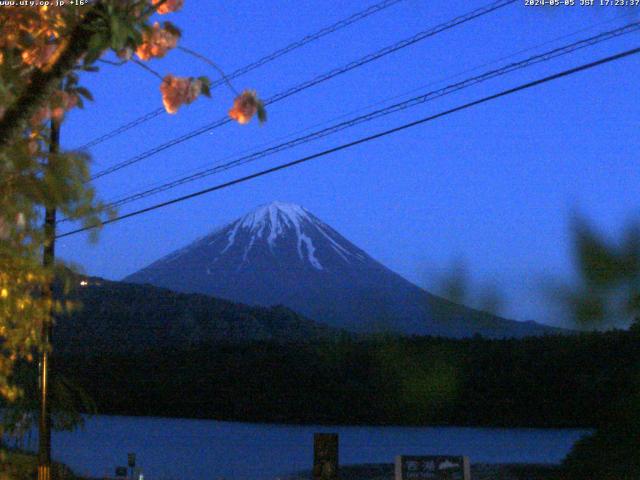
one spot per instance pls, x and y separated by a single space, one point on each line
599 261
96 46
135 38
262 113
84 92
172 29
206 86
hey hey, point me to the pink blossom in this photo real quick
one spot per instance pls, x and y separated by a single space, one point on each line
40 116
169 6
63 102
245 106
125 54
39 56
177 91
195 88
156 43
32 144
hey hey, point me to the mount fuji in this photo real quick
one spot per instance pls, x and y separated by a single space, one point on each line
281 254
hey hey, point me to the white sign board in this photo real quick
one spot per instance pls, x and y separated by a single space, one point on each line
432 467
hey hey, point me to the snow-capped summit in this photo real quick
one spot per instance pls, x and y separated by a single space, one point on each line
275 214
281 254
278 221
276 227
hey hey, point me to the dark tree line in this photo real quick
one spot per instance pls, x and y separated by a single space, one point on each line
552 381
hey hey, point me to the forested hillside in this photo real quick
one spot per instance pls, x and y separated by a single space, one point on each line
548 381
117 317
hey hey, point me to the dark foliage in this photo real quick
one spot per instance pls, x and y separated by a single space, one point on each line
539 382
116 317
613 451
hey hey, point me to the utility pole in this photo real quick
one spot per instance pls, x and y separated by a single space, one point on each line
48 260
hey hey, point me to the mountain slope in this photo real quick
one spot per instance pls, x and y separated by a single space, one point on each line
122 317
281 254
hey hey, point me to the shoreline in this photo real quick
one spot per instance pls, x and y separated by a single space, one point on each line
479 471
22 465
326 425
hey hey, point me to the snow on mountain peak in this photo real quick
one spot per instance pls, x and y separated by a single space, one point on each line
276 216
275 219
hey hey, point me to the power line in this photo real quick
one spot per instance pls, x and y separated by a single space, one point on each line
177 177
356 17
412 102
122 129
369 138
310 83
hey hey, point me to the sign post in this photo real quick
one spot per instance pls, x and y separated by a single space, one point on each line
325 456
131 461
432 467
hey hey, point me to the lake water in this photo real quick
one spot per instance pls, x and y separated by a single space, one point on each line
172 449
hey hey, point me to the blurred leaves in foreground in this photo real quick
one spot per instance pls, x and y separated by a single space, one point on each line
18 418
607 294
604 294
457 286
607 290
427 379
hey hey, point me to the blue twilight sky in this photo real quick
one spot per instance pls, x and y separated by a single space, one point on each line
494 185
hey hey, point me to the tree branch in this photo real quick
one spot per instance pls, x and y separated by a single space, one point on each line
212 63
43 82
147 68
